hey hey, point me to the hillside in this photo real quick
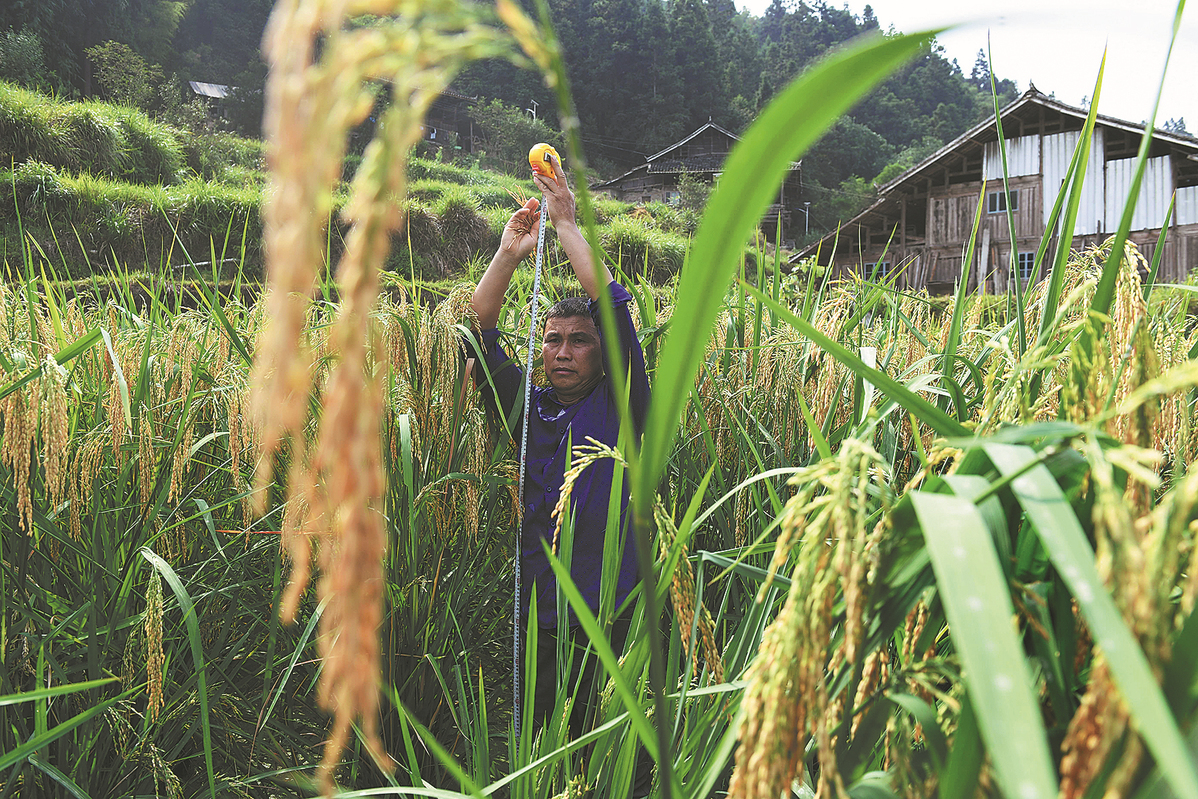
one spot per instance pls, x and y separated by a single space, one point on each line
643 75
96 186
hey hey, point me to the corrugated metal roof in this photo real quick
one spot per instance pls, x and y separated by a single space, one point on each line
1152 202
1033 96
1023 158
616 180
217 90
1187 205
1058 154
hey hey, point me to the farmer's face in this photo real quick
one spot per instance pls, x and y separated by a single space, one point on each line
573 358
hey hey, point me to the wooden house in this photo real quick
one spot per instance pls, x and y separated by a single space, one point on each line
922 220
448 123
701 155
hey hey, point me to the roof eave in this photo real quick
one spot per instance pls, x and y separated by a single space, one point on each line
693 134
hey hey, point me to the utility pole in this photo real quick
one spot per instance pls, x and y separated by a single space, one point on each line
806 218
532 110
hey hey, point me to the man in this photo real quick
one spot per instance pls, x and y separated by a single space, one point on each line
580 402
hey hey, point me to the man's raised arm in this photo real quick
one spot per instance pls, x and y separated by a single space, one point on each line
559 201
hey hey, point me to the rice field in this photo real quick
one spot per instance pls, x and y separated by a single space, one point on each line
895 548
788 542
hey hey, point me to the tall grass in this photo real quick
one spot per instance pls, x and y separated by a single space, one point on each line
112 141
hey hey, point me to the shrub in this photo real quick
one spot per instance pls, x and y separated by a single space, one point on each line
496 217
94 139
693 192
123 75
37 187
25 125
153 152
428 191
510 133
607 209
84 221
422 231
427 168
242 177
22 59
210 154
671 219
116 141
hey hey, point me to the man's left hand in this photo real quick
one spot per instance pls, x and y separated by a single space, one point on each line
559 200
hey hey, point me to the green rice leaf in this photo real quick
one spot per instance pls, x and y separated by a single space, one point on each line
22 752
925 715
57 690
447 760
1105 292
1006 187
68 353
1182 671
752 173
1159 252
1054 520
214 305
817 435
62 779
954 328
1076 177
603 650
978 606
119 376
875 785
959 780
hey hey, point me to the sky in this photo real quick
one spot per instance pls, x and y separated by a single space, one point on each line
1058 45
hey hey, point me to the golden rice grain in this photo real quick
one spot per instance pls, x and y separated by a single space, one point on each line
55 429
312 99
786 700
20 427
146 470
683 596
154 656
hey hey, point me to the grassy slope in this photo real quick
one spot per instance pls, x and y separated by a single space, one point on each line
96 186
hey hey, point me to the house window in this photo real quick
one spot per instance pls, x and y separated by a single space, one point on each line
996 201
1027 261
673 197
877 270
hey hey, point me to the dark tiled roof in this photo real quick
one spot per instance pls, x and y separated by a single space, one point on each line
695 163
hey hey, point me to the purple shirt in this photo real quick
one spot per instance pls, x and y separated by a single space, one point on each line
551 429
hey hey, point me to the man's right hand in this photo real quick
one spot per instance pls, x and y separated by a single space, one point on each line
517 242
520 233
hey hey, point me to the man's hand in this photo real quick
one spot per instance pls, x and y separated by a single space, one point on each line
559 200
519 234
517 242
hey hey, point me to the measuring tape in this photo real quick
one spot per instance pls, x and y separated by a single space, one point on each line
532 327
